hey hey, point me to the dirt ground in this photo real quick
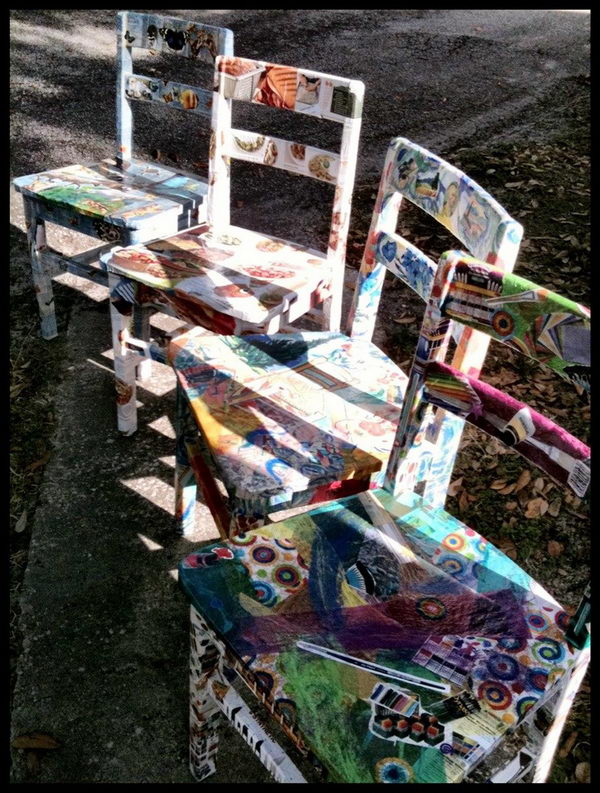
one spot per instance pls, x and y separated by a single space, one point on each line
503 95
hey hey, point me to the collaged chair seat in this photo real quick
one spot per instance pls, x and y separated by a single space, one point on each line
133 202
288 416
237 275
398 644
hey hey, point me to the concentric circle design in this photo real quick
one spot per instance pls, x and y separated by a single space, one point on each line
301 562
454 542
537 679
287 576
503 323
524 704
446 748
393 770
243 539
502 666
537 622
286 544
287 708
431 608
494 694
263 554
562 619
548 651
481 545
264 679
453 565
512 644
265 592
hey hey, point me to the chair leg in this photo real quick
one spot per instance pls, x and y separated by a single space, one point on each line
204 713
141 330
42 282
185 479
121 314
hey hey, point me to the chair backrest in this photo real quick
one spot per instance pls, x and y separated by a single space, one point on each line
448 195
319 95
531 320
476 219
157 34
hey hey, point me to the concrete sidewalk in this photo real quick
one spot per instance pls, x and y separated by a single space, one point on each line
104 665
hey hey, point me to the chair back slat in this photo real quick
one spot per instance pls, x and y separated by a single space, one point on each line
530 319
177 36
178 96
317 94
320 95
287 155
534 321
405 260
564 458
158 34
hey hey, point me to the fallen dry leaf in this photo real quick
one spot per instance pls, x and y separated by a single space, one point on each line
22 522
508 547
42 461
35 740
463 501
455 486
536 508
498 484
539 484
555 548
523 480
510 506
408 320
507 490
554 507
582 772
568 744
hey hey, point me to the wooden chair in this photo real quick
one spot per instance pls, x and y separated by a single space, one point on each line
230 279
390 641
123 200
292 419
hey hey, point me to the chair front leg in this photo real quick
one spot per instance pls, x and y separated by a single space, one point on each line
42 282
141 330
204 713
185 477
121 316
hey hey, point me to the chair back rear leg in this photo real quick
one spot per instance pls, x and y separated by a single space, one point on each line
42 282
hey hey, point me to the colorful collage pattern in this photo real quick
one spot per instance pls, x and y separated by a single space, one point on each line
469 212
448 195
533 320
396 640
317 94
314 93
192 40
148 197
286 416
517 312
247 276
564 458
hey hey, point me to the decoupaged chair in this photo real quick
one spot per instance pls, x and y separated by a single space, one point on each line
292 419
392 642
230 279
123 200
